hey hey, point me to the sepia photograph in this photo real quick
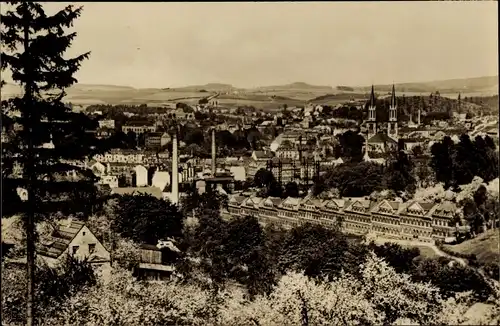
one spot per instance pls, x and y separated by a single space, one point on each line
250 163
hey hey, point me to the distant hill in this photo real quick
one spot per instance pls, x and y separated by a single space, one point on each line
488 85
296 86
297 93
211 87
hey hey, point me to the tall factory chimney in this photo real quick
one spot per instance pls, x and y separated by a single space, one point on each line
418 119
214 166
175 171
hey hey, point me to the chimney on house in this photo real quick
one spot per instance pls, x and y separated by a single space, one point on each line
214 166
175 171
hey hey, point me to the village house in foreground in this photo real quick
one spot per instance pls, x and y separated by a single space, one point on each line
72 237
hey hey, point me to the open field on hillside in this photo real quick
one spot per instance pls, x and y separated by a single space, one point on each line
485 247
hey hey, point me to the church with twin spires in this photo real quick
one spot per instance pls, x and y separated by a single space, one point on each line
379 139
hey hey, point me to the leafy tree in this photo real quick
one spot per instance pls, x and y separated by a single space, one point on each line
55 285
355 179
352 145
457 164
399 258
398 175
263 178
442 161
450 279
33 44
194 203
313 249
291 190
146 219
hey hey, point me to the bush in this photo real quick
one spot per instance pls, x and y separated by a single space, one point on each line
491 269
52 287
470 257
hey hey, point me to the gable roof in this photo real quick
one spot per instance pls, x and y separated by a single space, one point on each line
445 209
236 199
389 206
291 201
364 204
381 138
62 236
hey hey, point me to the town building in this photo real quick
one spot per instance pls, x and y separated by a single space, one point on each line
261 156
72 237
413 220
138 127
121 156
157 139
107 123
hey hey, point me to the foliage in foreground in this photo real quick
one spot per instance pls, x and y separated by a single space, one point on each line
380 296
53 287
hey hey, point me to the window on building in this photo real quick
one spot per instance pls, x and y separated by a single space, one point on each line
91 248
75 249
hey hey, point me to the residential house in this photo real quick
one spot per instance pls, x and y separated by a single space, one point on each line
288 151
157 139
72 237
108 123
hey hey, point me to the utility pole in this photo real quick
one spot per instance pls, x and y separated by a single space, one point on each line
31 173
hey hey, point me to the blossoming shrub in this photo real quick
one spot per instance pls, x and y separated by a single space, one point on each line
379 296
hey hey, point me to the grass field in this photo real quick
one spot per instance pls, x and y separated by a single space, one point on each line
485 247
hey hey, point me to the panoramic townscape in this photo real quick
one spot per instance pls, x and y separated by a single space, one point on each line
296 204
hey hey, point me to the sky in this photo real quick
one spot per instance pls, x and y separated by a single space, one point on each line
258 44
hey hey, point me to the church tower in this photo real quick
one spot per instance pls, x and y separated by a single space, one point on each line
392 127
372 116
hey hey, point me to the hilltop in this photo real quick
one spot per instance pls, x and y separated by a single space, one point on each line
265 97
487 85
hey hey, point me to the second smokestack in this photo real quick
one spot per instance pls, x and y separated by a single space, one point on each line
175 172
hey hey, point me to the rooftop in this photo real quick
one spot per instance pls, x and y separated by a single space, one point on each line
381 138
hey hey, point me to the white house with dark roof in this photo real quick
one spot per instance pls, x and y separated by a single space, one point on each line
72 237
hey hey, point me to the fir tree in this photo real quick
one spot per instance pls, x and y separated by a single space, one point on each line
43 133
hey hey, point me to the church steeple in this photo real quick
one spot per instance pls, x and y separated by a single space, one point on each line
372 115
372 98
392 127
393 97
